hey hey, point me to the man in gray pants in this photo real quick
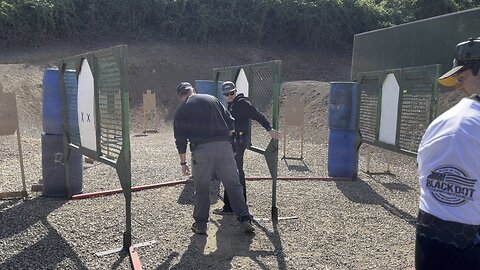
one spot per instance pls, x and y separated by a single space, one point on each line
207 125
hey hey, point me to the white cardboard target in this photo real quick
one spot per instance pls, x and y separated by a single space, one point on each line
389 110
242 83
86 107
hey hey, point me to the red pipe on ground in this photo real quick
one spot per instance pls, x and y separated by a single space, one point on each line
173 183
299 178
115 191
135 260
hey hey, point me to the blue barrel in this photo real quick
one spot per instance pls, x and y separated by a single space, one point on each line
206 87
342 159
342 105
52 102
53 169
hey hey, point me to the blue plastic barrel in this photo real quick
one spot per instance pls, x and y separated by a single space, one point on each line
53 169
342 159
52 102
342 105
206 87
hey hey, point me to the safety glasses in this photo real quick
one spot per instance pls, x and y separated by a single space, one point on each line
231 93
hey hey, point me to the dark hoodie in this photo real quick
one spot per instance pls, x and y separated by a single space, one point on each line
242 110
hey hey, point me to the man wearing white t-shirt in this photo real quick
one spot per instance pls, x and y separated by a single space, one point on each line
449 173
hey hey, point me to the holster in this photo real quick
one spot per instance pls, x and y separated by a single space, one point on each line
242 139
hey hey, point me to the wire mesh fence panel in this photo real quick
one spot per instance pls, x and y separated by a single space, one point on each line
263 89
71 92
109 105
369 88
418 105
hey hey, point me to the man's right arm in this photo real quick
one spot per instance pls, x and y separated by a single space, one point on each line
180 134
181 142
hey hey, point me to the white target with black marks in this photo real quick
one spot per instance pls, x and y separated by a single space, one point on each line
86 107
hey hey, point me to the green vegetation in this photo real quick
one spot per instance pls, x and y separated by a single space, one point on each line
304 23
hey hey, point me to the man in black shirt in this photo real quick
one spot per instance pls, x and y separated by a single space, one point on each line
242 110
207 125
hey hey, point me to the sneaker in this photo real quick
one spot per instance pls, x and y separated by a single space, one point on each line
223 212
198 230
247 226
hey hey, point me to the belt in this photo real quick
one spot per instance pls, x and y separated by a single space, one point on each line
209 140
449 232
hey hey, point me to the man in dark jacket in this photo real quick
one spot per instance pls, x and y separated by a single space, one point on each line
207 125
242 110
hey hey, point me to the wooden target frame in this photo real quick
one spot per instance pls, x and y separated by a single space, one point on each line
294 117
9 124
149 112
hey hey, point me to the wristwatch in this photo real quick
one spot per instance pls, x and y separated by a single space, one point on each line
183 163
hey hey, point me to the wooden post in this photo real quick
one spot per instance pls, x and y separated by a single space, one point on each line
8 125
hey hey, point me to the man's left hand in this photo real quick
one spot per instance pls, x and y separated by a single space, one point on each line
185 169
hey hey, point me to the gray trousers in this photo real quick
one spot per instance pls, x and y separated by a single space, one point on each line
210 159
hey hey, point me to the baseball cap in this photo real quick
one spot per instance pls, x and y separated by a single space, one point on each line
228 86
466 53
183 88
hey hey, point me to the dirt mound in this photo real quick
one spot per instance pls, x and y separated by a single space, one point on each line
314 95
161 66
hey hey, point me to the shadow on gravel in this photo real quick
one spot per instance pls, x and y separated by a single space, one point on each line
397 186
360 192
186 197
52 248
193 257
122 256
217 251
274 237
296 164
389 185
168 261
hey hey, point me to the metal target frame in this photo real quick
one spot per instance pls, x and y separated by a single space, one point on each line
417 107
264 89
111 116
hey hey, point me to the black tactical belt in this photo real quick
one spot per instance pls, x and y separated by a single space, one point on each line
449 232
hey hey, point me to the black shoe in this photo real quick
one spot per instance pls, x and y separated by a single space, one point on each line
247 226
223 212
198 230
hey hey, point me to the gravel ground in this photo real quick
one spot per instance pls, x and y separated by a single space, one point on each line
362 224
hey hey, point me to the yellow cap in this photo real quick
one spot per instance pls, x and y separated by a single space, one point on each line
447 79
